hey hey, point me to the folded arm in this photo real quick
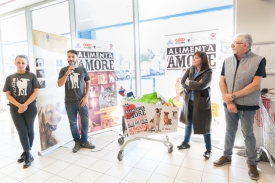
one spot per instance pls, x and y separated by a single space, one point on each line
204 83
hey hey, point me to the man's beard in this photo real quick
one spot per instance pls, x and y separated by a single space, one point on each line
71 63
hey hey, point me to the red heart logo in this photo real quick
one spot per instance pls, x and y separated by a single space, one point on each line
129 110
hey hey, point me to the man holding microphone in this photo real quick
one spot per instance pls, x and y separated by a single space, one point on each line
77 85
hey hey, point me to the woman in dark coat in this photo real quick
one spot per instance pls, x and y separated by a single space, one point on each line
196 109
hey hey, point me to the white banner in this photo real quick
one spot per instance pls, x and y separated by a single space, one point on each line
180 49
50 56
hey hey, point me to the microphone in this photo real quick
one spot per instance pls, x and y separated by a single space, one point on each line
73 66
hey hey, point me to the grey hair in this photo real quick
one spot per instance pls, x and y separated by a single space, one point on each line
246 38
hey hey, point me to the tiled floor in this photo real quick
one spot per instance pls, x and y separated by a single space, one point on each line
144 161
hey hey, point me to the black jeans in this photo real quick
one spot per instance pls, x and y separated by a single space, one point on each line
24 123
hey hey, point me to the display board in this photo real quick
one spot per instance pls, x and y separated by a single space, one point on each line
50 54
267 50
98 58
180 49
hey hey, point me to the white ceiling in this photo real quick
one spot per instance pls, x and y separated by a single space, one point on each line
92 14
10 5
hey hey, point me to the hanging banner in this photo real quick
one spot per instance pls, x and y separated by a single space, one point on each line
147 119
50 54
98 58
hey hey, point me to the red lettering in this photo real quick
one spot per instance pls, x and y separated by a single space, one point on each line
139 129
180 40
87 45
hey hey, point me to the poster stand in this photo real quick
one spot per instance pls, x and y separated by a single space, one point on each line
43 153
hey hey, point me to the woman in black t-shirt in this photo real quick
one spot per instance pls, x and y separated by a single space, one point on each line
21 90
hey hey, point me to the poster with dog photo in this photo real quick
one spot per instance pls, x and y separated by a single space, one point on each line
146 119
53 124
98 58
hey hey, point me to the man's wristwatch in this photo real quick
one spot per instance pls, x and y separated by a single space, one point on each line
233 96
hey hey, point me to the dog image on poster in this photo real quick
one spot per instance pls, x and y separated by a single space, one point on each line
53 124
111 78
154 122
93 92
167 121
49 119
93 78
102 78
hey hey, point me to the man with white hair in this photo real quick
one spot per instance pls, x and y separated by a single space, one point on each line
240 83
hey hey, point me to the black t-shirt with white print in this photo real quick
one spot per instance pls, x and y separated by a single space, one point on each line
21 86
75 84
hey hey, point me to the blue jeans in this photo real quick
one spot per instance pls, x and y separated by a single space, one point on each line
72 110
24 123
247 120
189 127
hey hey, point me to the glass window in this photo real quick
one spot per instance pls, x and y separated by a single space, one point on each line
175 17
52 19
107 20
14 40
159 18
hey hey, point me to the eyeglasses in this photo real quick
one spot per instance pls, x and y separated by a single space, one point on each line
237 43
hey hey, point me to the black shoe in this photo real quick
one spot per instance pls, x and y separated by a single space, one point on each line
22 158
207 154
29 159
180 144
76 147
184 146
88 145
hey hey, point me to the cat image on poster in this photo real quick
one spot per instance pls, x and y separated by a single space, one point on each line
107 97
111 78
102 79
93 79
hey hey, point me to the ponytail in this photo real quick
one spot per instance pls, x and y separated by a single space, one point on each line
28 69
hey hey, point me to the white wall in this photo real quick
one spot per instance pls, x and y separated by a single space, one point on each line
257 17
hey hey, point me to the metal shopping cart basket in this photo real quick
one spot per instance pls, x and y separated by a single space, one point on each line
267 124
141 120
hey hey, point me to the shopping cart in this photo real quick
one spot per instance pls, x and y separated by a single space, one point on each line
267 124
122 140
